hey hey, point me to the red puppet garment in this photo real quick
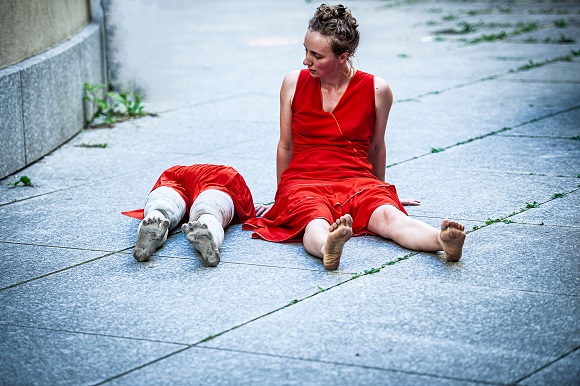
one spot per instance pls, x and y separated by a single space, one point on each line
190 181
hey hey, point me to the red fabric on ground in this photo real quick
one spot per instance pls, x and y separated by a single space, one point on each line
190 181
329 174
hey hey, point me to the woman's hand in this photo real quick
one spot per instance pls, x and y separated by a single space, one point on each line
410 202
262 209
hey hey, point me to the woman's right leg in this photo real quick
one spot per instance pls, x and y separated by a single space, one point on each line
163 211
326 241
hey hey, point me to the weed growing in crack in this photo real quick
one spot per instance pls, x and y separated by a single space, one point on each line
107 106
92 145
24 180
506 219
520 28
376 270
564 58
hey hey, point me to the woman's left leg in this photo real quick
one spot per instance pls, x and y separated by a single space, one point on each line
389 222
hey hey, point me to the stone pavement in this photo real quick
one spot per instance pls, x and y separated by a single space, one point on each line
485 132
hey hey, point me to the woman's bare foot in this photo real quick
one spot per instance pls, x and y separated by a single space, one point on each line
340 233
151 236
200 236
451 239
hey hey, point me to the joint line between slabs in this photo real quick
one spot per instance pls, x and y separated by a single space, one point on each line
342 364
64 269
546 365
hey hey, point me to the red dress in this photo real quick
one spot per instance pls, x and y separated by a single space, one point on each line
329 174
190 181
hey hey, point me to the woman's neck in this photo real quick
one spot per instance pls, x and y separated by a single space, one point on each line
339 80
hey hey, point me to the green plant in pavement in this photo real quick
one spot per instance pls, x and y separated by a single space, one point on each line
108 106
24 180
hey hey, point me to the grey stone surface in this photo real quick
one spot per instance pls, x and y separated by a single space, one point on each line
541 156
49 357
565 371
562 72
507 313
87 217
225 367
428 328
557 212
471 194
51 89
92 61
192 303
561 125
465 116
47 105
26 262
511 256
11 130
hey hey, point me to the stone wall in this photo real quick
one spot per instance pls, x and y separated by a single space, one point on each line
41 97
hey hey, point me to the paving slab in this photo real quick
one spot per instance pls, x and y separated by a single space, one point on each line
554 157
426 328
562 372
224 367
12 133
75 166
40 356
560 211
25 262
508 256
471 195
87 217
166 299
563 72
560 125
423 120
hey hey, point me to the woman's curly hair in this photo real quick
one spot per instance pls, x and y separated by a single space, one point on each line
337 23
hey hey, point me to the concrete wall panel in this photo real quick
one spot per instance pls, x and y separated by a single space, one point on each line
44 97
33 26
12 156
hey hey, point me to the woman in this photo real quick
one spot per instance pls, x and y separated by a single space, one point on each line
331 156
212 195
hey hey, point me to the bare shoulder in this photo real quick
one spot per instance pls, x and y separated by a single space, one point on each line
289 88
383 93
291 79
381 86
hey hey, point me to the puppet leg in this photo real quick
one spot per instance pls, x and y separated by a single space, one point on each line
210 213
163 211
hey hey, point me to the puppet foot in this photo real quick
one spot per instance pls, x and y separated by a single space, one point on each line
200 236
152 234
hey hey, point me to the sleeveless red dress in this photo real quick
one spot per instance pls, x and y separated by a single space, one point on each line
329 174
190 181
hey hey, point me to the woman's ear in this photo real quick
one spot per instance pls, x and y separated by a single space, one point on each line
344 57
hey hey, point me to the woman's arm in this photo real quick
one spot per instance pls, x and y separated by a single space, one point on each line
284 151
378 150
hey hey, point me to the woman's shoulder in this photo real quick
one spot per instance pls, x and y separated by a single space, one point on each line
379 83
291 78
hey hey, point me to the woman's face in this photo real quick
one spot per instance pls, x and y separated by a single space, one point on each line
320 59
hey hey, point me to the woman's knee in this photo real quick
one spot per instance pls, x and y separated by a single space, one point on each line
383 219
